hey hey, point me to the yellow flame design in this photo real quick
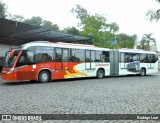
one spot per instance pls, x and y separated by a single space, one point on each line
74 75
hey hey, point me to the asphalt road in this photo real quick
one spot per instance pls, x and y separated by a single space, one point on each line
110 95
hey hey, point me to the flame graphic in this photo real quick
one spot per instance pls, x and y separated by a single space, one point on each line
75 74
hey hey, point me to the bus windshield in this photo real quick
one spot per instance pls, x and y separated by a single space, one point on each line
9 61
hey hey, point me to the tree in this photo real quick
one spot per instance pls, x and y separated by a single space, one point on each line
72 30
3 9
146 40
95 27
35 20
17 18
49 25
80 11
113 27
126 41
154 15
38 21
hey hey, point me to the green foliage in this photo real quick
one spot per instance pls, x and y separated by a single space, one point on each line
80 11
95 27
49 25
17 18
96 22
35 20
126 41
154 15
108 37
113 27
3 9
145 42
92 26
72 30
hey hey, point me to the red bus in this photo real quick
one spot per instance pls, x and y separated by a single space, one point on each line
44 61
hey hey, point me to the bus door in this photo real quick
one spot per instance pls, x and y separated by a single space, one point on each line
114 62
61 62
61 56
90 60
65 59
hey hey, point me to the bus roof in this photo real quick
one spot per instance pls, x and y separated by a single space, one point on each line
63 45
136 51
80 46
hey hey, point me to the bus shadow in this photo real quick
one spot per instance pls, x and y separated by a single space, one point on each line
15 83
129 75
74 79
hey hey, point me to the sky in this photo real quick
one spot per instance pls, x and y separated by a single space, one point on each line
128 14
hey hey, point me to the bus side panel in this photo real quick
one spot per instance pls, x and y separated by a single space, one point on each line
150 67
127 67
102 65
70 70
76 70
125 71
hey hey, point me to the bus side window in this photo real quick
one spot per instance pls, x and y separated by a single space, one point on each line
80 55
58 55
143 58
43 54
153 58
98 56
23 60
88 57
77 55
65 55
93 56
121 59
135 57
126 57
148 57
130 57
105 56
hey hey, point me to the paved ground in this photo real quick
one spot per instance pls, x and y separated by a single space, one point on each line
111 95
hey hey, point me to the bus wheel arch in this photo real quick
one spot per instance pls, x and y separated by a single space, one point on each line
100 73
143 71
44 76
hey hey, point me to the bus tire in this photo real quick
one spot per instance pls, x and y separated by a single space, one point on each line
143 72
44 76
100 73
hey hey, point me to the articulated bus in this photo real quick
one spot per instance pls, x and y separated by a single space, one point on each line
44 61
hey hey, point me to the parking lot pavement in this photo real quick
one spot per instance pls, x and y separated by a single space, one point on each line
1 80
110 95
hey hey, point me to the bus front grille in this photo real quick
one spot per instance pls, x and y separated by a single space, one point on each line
23 75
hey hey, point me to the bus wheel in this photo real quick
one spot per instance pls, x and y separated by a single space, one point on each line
143 72
44 76
100 73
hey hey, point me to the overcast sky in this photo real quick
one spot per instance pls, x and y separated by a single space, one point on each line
128 14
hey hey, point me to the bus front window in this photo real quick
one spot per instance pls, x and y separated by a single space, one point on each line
9 61
26 58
